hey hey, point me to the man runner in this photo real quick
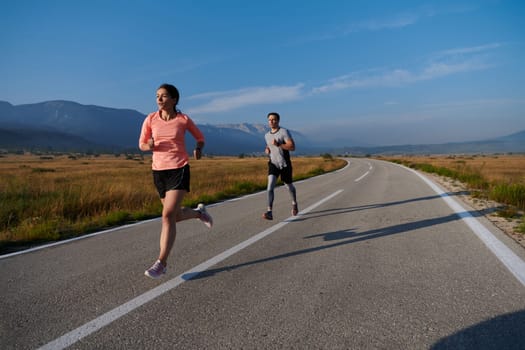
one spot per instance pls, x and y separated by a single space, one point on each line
279 143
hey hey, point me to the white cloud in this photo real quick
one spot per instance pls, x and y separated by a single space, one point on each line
405 19
442 64
392 22
235 99
373 78
468 50
485 103
398 21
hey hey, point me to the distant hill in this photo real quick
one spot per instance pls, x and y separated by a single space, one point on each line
46 140
236 139
514 143
70 126
106 127
66 126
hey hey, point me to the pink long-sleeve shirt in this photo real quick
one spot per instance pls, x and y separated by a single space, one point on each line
169 151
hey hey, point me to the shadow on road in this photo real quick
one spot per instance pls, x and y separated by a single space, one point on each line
502 332
385 231
328 212
343 237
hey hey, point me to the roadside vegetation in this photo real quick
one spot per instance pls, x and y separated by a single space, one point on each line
47 198
500 178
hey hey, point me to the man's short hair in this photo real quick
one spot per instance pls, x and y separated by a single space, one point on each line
277 116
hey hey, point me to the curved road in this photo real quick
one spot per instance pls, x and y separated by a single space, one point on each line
377 259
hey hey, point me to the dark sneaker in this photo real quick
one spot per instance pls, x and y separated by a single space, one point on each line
295 210
156 271
268 215
204 217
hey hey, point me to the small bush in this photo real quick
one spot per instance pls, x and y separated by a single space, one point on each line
43 170
509 194
117 217
521 226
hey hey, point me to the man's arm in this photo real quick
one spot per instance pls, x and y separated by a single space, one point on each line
289 145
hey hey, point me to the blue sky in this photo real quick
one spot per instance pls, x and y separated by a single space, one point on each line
374 72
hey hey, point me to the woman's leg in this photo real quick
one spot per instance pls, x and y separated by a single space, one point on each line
170 212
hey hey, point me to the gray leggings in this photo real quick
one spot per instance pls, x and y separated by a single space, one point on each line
272 180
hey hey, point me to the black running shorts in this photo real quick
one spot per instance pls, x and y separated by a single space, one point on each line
172 179
285 173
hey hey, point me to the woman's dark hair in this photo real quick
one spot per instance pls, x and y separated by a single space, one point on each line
277 116
172 91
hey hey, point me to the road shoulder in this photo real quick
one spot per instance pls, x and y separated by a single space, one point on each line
485 207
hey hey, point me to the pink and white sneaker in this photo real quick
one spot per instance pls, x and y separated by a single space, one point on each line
156 270
204 216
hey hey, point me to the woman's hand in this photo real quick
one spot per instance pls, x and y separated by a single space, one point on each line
197 153
145 147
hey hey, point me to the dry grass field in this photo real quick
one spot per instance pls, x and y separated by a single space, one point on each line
47 198
493 168
491 181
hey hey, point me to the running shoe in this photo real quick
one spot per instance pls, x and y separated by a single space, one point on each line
268 215
295 210
156 270
204 216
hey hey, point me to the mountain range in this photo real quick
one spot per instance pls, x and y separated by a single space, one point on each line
65 126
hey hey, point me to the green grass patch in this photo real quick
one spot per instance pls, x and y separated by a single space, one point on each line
521 226
511 194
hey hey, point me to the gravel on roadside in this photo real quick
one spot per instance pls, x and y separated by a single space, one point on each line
488 208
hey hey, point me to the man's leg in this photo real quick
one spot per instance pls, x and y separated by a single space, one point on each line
292 191
288 181
272 180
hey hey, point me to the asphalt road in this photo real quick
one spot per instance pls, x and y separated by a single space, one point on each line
375 260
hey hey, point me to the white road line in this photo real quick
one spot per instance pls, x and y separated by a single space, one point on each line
74 239
362 176
365 174
511 261
83 331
